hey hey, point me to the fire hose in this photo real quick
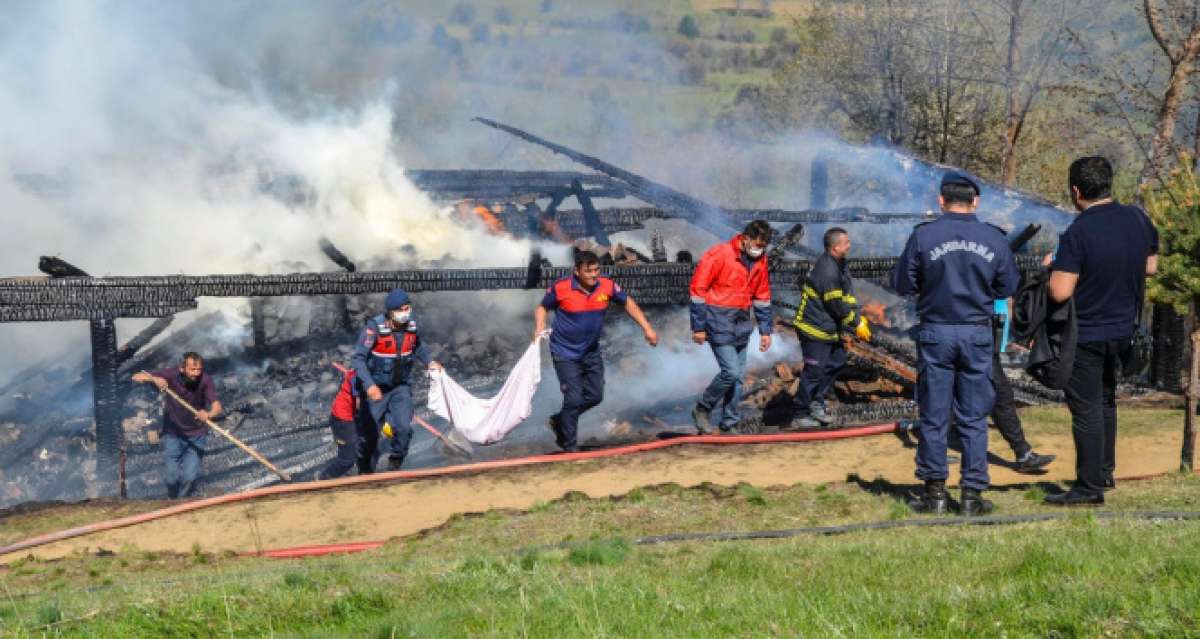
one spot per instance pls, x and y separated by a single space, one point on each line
376 478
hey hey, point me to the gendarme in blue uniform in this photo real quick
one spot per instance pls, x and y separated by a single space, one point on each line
384 357
957 266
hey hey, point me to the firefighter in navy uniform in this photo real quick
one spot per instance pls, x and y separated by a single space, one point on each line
382 362
828 316
957 266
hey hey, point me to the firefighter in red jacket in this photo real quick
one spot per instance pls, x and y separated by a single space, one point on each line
344 424
730 279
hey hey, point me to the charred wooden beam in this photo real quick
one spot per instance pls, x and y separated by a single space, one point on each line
91 311
505 185
709 216
106 403
156 296
139 341
106 394
336 256
1019 240
258 323
347 265
695 210
818 182
591 221
57 267
833 216
573 222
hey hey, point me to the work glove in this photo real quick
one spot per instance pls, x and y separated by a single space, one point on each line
387 430
863 332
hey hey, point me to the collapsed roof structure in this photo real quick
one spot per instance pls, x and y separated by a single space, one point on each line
510 201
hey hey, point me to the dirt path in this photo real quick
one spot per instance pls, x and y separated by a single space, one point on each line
398 509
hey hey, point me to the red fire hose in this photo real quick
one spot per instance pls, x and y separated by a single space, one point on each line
285 489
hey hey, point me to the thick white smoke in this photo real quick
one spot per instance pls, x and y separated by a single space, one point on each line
122 152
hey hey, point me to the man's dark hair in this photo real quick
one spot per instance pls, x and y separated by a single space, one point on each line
832 235
759 231
1093 177
586 258
958 194
194 356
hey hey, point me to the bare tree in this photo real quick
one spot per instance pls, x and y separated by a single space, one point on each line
1176 29
902 73
1029 50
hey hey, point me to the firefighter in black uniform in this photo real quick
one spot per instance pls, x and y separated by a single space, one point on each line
957 266
828 316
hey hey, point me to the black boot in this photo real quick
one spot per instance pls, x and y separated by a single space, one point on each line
700 416
365 467
973 504
934 500
394 462
555 424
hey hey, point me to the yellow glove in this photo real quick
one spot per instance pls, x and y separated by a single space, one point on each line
863 332
387 430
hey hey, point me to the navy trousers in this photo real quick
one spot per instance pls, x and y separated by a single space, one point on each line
822 363
954 376
582 384
396 408
345 437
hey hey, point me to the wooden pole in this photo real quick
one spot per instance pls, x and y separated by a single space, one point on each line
227 435
445 440
1187 455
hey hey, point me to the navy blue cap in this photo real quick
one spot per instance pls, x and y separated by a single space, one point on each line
960 177
397 298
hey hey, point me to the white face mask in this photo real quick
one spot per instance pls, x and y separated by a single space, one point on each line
754 251
401 317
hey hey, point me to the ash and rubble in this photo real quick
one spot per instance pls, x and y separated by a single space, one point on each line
273 361
277 395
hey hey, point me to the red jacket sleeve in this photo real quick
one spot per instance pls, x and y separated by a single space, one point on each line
702 279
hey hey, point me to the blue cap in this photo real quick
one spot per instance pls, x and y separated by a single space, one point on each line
960 177
397 298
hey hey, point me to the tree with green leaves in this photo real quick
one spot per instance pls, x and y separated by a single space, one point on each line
1175 209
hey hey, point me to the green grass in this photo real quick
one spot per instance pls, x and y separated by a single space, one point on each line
569 568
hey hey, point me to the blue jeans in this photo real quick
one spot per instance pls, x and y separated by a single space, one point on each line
822 363
182 455
954 374
726 387
582 384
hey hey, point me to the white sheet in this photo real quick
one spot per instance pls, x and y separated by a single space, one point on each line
485 421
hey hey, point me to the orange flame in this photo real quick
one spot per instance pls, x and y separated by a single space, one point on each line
876 313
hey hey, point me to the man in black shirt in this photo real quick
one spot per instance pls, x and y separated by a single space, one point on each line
1102 261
